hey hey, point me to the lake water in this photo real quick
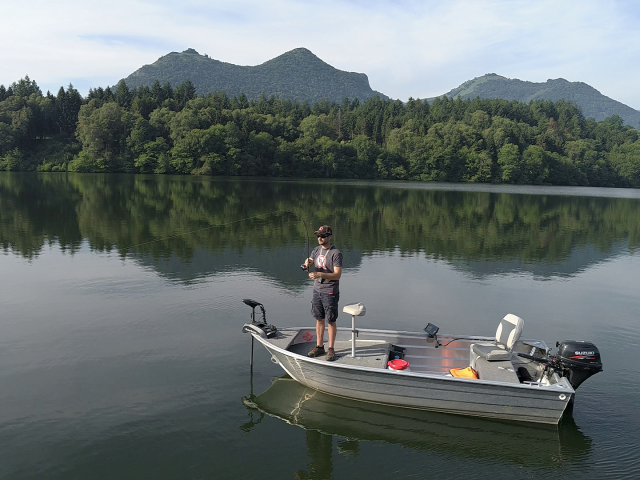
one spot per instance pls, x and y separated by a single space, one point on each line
122 355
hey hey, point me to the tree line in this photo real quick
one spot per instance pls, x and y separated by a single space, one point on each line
166 129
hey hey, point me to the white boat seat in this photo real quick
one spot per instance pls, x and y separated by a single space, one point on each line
507 334
491 352
355 309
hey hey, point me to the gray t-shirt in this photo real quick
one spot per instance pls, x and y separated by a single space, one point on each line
324 260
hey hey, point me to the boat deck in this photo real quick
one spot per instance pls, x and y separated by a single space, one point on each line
423 356
369 353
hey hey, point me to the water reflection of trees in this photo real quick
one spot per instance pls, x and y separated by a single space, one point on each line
163 216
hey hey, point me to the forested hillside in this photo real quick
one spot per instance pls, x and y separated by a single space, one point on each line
163 129
590 100
297 75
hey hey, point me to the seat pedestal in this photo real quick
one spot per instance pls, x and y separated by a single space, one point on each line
355 310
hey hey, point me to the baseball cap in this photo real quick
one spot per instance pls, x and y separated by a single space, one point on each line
324 230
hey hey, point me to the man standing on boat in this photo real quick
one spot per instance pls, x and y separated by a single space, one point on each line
326 289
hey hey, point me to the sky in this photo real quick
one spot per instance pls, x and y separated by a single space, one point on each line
407 48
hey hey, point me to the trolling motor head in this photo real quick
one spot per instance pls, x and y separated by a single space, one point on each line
253 304
262 328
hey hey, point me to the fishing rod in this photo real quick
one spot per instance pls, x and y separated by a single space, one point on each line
304 266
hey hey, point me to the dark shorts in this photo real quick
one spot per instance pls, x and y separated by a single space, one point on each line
325 306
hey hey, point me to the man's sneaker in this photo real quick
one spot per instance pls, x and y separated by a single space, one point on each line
331 355
316 351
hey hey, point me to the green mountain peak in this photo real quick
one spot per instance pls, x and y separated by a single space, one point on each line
591 101
297 74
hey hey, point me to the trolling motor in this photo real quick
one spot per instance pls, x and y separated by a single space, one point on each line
576 360
262 328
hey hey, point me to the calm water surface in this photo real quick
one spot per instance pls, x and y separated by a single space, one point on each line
122 358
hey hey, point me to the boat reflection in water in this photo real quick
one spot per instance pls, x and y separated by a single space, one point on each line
323 416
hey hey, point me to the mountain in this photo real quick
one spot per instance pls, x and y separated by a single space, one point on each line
593 103
298 75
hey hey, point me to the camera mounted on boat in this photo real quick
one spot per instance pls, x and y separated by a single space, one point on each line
260 327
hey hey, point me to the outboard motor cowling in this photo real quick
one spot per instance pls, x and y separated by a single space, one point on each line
580 359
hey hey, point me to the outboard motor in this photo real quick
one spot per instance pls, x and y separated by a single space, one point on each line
579 360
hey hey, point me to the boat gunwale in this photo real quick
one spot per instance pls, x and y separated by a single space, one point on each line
562 386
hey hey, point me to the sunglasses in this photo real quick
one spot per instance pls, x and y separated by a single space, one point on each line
323 236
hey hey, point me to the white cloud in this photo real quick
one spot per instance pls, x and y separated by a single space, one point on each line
407 48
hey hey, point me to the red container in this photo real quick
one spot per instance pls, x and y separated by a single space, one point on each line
398 364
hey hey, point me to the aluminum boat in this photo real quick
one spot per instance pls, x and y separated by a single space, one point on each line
514 379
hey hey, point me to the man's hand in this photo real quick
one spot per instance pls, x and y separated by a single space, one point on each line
337 273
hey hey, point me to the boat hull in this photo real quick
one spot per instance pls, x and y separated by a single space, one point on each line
429 392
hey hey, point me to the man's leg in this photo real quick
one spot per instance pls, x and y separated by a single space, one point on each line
332 333
320 332
331 314
317 311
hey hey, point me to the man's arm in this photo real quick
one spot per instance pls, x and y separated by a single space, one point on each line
309 261
337 273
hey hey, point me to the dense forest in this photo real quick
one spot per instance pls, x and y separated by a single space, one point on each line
162 129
